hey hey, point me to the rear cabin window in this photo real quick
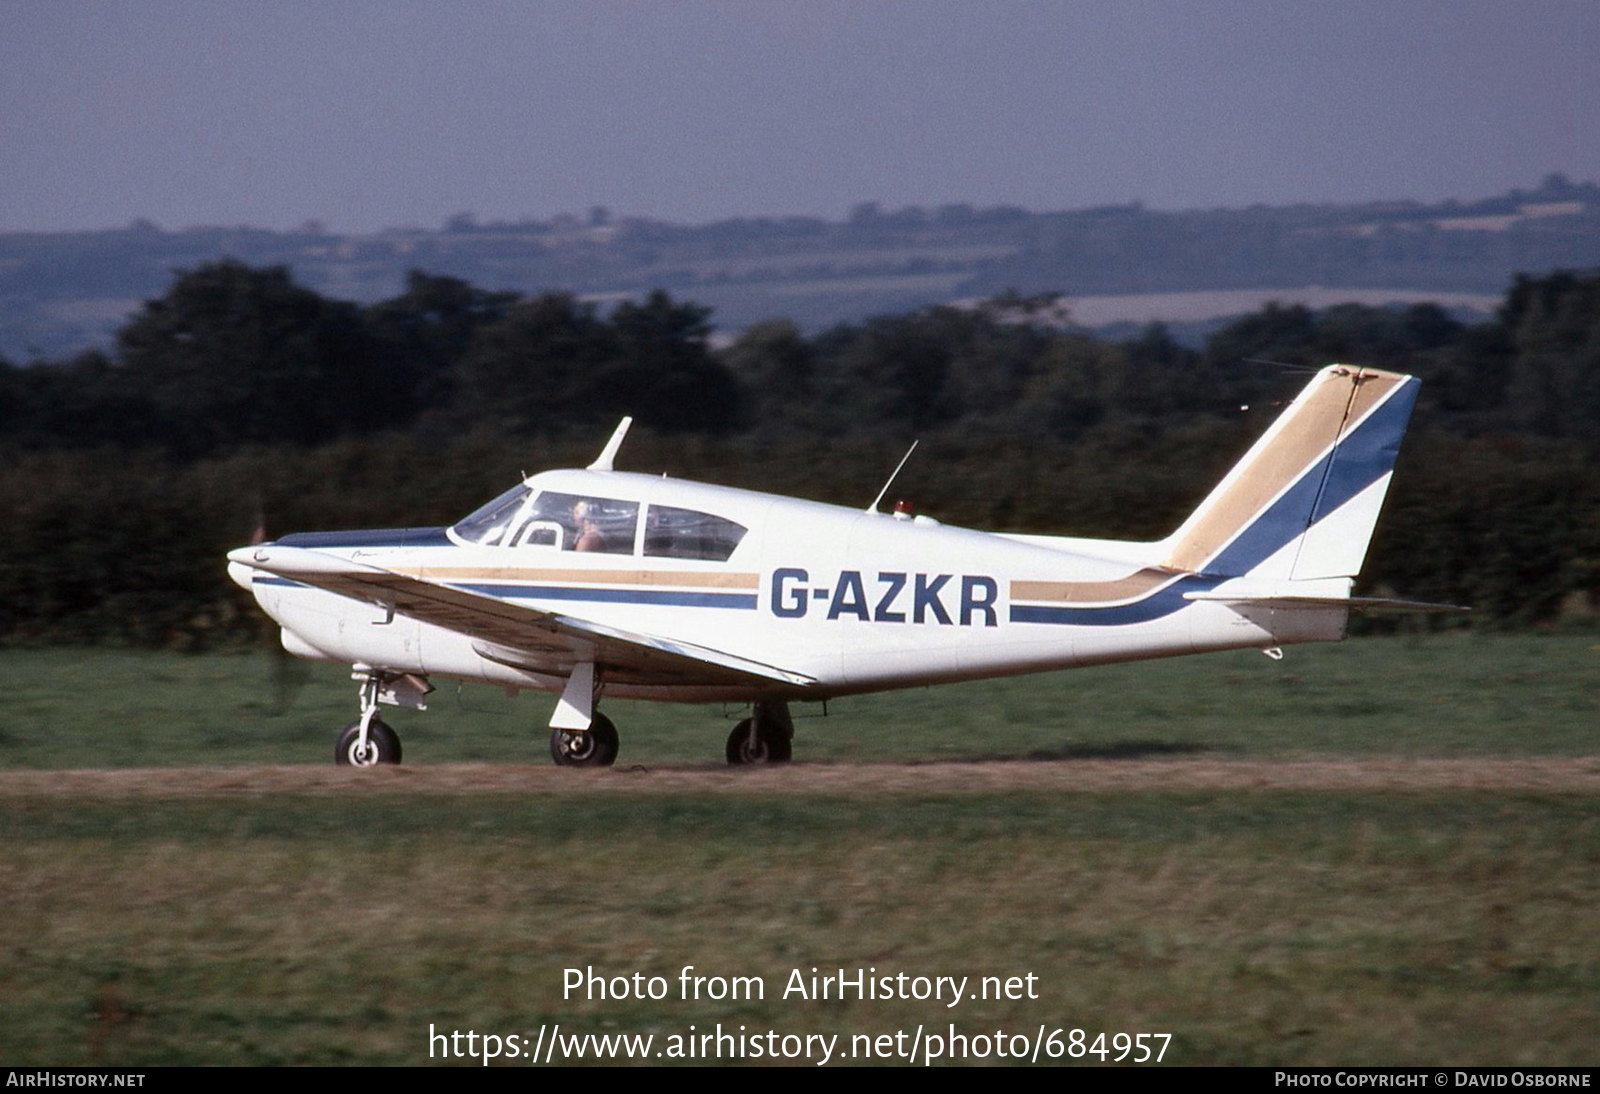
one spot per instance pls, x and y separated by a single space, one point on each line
684 533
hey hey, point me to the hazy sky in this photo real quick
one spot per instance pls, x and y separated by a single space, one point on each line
368 115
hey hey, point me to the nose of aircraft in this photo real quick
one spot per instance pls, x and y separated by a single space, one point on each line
239 572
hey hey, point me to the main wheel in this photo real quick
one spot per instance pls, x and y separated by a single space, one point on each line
596 747
383 746
771 746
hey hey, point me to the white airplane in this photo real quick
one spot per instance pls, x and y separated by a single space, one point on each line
597 583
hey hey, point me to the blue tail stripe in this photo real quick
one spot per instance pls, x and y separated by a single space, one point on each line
1369 453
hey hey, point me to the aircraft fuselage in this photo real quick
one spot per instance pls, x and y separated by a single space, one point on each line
859 601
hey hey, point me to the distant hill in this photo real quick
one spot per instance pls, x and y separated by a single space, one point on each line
63 292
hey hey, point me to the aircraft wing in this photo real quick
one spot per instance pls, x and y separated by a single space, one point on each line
512 634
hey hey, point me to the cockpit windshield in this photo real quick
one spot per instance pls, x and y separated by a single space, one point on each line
488 524
568 522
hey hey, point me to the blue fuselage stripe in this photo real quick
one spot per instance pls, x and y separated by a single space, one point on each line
667 597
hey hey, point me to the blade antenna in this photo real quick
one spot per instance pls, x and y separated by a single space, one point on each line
873 508
609 454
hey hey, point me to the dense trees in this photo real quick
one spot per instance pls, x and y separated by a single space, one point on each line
1552 378
125 474
233 354
424 331
555 362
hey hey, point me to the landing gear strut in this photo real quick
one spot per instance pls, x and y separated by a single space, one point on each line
368 741
766 737
580 736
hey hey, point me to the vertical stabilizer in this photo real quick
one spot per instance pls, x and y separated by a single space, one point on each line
1303 502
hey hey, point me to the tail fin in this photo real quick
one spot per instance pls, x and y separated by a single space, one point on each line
1303 502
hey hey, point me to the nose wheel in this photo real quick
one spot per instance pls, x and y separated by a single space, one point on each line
382 745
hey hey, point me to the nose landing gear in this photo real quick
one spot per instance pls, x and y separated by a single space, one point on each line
368 741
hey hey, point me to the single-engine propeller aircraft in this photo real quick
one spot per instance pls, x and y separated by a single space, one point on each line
597 583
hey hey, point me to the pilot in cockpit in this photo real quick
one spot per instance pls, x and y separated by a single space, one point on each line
590 538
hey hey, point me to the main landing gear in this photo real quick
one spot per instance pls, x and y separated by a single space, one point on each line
592 747
766 737
368 741
580 736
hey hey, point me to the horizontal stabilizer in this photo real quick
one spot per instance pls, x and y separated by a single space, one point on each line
1354 603
1390 604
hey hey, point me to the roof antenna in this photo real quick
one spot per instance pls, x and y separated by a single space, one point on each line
873 508
609 453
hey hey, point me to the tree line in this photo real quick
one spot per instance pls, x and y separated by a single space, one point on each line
240 400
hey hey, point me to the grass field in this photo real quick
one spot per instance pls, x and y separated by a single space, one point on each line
1381 852
1433 696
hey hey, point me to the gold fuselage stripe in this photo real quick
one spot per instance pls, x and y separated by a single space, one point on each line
1091 592
585 577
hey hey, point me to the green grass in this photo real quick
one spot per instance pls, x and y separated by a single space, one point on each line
1449 926
1436 696
1257 928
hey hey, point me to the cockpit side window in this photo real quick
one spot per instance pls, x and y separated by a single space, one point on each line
487 525
574 522
684 533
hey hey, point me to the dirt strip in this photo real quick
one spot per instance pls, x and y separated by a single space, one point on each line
1551 774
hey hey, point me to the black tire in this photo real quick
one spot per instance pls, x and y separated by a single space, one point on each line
383 746
770 746
597 747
